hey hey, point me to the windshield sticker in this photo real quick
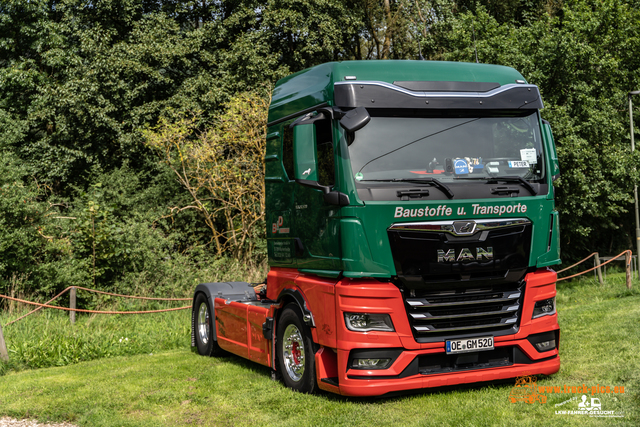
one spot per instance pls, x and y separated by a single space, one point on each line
475 164
518 164
461 166
492 167
359 176
529 155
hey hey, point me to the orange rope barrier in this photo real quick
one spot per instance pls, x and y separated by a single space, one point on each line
45 305
93 311
604 263
39 308
131 296
579 262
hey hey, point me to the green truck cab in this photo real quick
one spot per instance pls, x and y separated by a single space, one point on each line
411 228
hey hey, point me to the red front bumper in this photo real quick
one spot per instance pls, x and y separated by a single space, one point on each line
334 373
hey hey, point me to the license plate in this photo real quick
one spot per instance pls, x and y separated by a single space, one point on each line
469 344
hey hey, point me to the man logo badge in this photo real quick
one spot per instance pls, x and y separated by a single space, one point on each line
464 228
465 254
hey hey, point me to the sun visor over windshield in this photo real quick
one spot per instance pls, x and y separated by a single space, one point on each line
386 95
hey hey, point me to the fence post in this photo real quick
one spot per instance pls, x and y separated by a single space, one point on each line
627 260
599 269
72 305
4 354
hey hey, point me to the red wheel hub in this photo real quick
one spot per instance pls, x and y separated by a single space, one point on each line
295 352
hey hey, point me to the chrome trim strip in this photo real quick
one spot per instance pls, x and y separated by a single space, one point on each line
461 328
505 298
422 316
447 226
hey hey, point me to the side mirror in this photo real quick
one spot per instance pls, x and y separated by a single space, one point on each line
355 119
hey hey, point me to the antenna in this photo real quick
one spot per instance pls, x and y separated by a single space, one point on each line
420 57
473 28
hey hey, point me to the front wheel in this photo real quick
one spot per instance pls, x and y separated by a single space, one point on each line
295 350
204 324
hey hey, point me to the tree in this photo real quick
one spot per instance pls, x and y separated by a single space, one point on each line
222 169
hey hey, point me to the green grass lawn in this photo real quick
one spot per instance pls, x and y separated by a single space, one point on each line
600 344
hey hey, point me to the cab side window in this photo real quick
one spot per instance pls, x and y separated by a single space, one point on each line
324 152
326 169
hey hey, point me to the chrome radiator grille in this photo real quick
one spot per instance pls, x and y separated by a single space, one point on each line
487 309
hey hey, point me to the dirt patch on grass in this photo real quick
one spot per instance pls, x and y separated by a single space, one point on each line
12 422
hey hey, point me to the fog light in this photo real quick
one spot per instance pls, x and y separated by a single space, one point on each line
371 363
363 322
545 307
546 345
546 341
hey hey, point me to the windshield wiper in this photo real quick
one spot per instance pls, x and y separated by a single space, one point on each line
429 181
512 178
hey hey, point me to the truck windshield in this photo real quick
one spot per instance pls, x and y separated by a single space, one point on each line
454 145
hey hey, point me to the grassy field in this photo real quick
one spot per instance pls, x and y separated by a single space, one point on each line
158 381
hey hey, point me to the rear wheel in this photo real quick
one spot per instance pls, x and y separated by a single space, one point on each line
204 324
295 349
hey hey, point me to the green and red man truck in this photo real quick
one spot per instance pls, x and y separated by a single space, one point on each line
411 228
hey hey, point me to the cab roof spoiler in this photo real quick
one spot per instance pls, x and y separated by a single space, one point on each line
440 95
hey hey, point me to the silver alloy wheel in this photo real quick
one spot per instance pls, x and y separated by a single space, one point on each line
293 352
203 323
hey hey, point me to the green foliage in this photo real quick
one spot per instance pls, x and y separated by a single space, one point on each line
79 80
306 33
47 339
22 215
222 169
85 200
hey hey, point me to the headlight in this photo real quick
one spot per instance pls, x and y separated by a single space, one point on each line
545 307
363 322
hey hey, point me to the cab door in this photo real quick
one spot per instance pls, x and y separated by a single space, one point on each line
315 221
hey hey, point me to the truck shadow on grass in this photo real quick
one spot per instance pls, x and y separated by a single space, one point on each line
504 386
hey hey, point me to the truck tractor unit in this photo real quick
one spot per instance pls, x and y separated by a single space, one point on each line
411 228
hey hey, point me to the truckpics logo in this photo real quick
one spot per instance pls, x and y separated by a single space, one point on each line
465 254
587 406
526 390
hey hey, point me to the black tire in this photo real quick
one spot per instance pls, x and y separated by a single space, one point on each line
295 351
203 323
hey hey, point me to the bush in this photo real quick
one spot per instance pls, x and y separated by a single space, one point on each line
222 169
23 215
